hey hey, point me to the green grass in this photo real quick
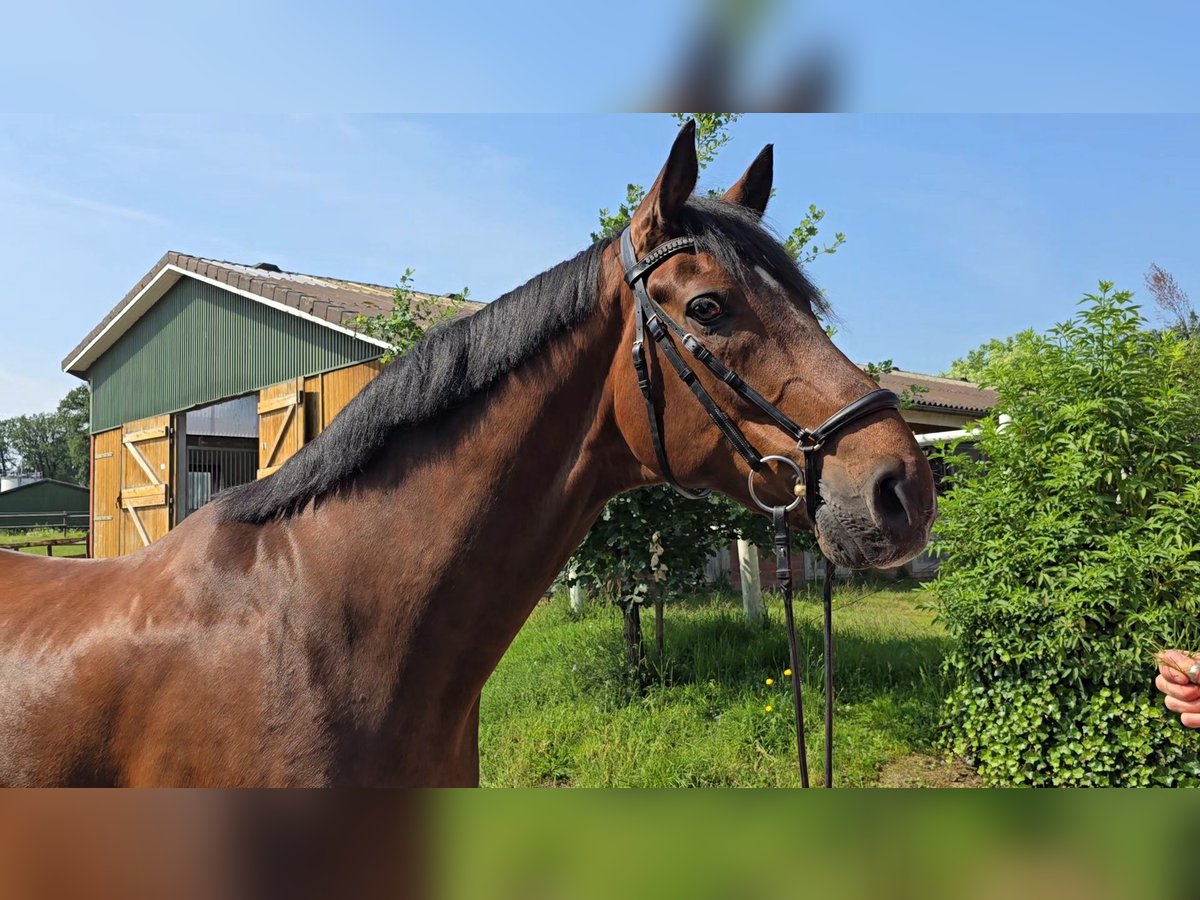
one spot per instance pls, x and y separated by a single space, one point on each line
559 709
41 534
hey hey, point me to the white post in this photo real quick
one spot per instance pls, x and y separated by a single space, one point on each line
577 597
752 603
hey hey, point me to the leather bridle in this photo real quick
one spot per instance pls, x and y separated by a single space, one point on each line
650 317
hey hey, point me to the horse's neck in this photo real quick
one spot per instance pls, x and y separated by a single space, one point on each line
456 534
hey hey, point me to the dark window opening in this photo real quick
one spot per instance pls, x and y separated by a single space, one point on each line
221 450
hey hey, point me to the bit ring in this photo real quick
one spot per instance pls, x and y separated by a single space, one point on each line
799 480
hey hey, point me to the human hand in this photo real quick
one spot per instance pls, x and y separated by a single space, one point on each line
1178 674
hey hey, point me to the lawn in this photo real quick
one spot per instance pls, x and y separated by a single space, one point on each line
9 538
559 711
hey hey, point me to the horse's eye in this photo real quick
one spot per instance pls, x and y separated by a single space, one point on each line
705 309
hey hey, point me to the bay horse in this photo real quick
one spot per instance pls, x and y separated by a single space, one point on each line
334 623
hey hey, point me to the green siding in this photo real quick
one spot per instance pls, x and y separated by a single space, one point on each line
49 497
199 344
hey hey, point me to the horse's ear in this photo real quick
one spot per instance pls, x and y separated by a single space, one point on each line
650 224
753 189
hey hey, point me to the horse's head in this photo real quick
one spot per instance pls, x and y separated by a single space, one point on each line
746 301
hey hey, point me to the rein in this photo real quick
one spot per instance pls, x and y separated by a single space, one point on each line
650 317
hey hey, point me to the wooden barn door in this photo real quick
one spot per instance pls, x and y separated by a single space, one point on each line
280 424
326 394
105 534
145 468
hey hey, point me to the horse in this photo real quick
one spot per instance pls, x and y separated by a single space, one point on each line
335 622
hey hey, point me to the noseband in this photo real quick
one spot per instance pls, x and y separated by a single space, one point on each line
649 316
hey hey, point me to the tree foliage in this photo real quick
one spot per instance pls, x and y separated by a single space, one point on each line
55 445
972 366
802 243
1071 553
8 453
40 440
650 544
412 314
75 414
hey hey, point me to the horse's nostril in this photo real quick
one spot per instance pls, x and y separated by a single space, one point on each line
888 498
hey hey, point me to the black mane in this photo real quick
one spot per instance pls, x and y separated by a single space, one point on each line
454 362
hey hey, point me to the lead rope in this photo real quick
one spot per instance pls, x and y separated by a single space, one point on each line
827 602
783 572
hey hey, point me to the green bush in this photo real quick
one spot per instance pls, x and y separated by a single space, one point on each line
1071 553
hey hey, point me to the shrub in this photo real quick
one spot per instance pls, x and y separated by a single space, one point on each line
1071 553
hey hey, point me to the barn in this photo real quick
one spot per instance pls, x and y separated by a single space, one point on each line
43 502
209 374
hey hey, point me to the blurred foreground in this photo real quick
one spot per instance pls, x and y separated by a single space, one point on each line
478 845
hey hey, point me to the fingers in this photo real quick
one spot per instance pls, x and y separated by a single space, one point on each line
1190 720
1185 692
1176 705
1174 665
1172 674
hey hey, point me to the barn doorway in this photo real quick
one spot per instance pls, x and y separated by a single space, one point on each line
219 451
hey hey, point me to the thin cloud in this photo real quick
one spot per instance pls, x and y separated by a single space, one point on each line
113 210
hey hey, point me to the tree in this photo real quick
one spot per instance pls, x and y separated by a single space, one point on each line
75 413
1071 553
56 445
1173 301
647 545
412 315
40 440
8 454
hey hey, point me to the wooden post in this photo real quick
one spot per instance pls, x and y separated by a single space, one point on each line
578 596
633 640
751 585
658 629
752 603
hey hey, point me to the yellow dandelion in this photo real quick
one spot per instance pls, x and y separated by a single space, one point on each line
768 708
787 672
770 681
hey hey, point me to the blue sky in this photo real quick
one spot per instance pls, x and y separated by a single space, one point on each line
959 228
547 55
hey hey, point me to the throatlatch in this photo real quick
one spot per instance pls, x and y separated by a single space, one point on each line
649 316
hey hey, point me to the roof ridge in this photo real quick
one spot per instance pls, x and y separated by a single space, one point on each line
27 484
940 379
334 279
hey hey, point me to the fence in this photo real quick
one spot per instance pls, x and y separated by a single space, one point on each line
12 524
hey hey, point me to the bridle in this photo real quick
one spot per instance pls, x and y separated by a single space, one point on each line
649 316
